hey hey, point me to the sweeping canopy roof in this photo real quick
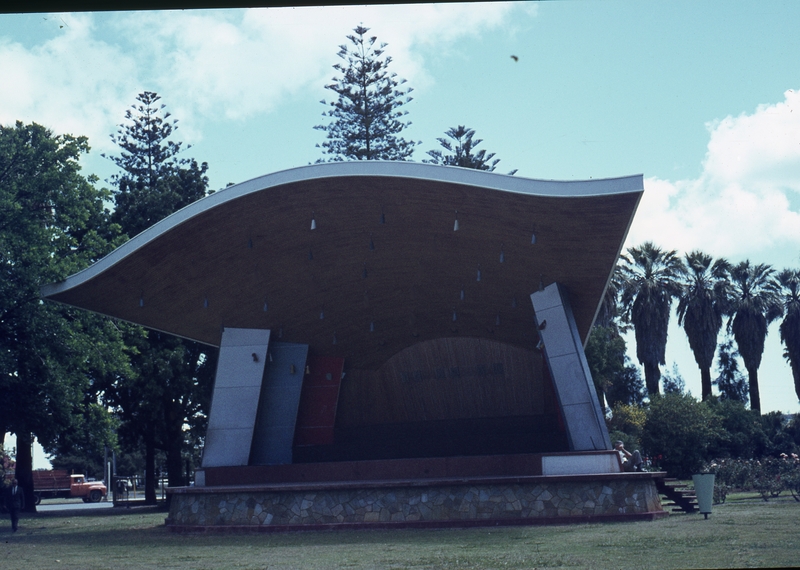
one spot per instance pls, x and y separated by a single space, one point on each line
363 259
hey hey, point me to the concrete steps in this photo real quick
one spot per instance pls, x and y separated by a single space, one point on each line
678 496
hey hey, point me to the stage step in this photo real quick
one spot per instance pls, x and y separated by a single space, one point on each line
678 495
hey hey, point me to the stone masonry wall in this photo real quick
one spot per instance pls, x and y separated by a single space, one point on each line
473 502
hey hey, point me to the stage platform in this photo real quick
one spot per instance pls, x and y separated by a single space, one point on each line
523 489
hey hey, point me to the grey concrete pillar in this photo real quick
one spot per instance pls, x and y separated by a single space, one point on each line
237 390
280 398
563 349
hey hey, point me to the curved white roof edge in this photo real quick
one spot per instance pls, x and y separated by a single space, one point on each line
395 169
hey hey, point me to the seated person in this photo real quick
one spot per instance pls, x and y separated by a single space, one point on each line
630 461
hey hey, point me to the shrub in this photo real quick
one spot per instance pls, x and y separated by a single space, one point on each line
627 424
678 432
779 435
741 434
768 476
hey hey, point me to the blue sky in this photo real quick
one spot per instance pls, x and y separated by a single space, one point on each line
697 96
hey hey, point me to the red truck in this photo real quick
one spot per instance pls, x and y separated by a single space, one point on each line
58 483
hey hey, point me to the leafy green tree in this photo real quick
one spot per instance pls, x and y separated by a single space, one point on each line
52 224
617 381
367 117
171 385
702 303
649 280
626 423
461 152
789 280
82 449
627 387
742 434
679 430
755 304
730 381
170 391
779 435
793 429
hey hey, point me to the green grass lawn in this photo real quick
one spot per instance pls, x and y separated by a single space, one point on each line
744 532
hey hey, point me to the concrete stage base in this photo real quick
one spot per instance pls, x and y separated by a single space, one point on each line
474 500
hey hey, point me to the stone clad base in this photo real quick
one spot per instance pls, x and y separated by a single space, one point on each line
482 501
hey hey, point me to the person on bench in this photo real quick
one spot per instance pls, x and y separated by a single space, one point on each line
630 461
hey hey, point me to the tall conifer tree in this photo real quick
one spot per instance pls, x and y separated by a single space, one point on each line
367 116
154 181
172 382
730 381
461 151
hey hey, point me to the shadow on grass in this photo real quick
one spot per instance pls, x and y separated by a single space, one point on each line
144 527
735 535
99 512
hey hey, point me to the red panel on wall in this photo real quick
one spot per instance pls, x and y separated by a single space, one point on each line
316 415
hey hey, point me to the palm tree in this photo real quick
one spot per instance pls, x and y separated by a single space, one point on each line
790 327
649 281
701 306
756 303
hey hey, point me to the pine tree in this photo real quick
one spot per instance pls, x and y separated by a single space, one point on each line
367 116
463 153
171 385
154 181
731 382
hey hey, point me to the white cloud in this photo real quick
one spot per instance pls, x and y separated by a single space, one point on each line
71 83
762 149
743 205
247 62
207 64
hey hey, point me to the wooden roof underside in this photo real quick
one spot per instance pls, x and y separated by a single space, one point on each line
383 269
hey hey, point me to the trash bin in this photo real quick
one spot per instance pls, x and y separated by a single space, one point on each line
704 487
